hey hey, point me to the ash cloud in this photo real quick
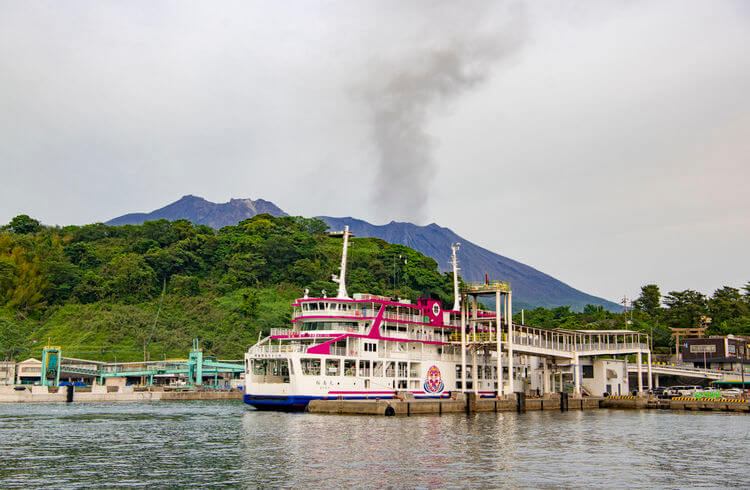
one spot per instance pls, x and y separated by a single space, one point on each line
451 54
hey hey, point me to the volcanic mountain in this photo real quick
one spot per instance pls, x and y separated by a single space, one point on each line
202 212
530 286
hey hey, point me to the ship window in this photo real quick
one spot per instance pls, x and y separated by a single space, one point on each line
364 368
371 347
377 369
350 367
349 326
333 367
312 306
260 367
402 370
402 384
310 367
390 372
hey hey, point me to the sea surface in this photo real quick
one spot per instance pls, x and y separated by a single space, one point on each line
202 444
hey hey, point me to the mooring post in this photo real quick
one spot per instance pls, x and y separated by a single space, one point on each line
471 402
69 394
520 401
563 401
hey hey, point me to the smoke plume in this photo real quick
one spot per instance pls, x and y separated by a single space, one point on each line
452 53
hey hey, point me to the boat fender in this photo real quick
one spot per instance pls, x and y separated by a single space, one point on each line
389 411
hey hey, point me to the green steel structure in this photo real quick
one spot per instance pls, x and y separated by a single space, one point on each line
195 368
51 363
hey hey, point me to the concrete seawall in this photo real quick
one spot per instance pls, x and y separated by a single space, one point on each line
42 394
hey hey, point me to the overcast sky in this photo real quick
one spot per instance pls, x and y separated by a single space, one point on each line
604 143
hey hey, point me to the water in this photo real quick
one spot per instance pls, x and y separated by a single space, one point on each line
202 444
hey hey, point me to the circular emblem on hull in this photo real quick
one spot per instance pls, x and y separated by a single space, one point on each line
434 381
435 309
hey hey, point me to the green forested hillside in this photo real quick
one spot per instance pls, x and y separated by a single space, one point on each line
95 290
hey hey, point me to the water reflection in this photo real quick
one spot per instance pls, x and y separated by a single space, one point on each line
225 443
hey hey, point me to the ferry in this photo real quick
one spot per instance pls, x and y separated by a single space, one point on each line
365 347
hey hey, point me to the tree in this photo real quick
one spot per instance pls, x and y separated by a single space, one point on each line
130 277
685 308
23 224
727 304
649 301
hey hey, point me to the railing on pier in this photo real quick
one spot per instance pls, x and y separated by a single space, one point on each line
568 341
474 287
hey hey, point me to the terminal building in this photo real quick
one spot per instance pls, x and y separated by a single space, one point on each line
727 353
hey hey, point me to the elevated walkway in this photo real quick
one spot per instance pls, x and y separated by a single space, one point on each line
565 344
687 371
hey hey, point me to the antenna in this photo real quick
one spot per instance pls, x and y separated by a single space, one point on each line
454 260
341 280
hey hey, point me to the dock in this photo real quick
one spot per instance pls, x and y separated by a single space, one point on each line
470 403
404 404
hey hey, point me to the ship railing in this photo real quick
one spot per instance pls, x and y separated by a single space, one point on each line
281 331
355 313
502 286
276 348
406 317
338 351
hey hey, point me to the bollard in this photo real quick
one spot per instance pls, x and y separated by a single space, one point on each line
471 402
69 394
520 402
563 402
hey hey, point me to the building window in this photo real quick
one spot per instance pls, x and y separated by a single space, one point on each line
588 371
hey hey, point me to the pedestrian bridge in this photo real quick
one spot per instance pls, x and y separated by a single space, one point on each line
688 371
566 344
481 332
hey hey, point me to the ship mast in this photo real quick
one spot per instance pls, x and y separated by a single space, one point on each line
341 280
454 260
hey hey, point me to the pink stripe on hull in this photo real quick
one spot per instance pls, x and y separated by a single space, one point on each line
361 392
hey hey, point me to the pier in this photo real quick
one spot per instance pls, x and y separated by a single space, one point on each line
558 351
405 405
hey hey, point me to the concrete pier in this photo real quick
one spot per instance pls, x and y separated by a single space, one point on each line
468 403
